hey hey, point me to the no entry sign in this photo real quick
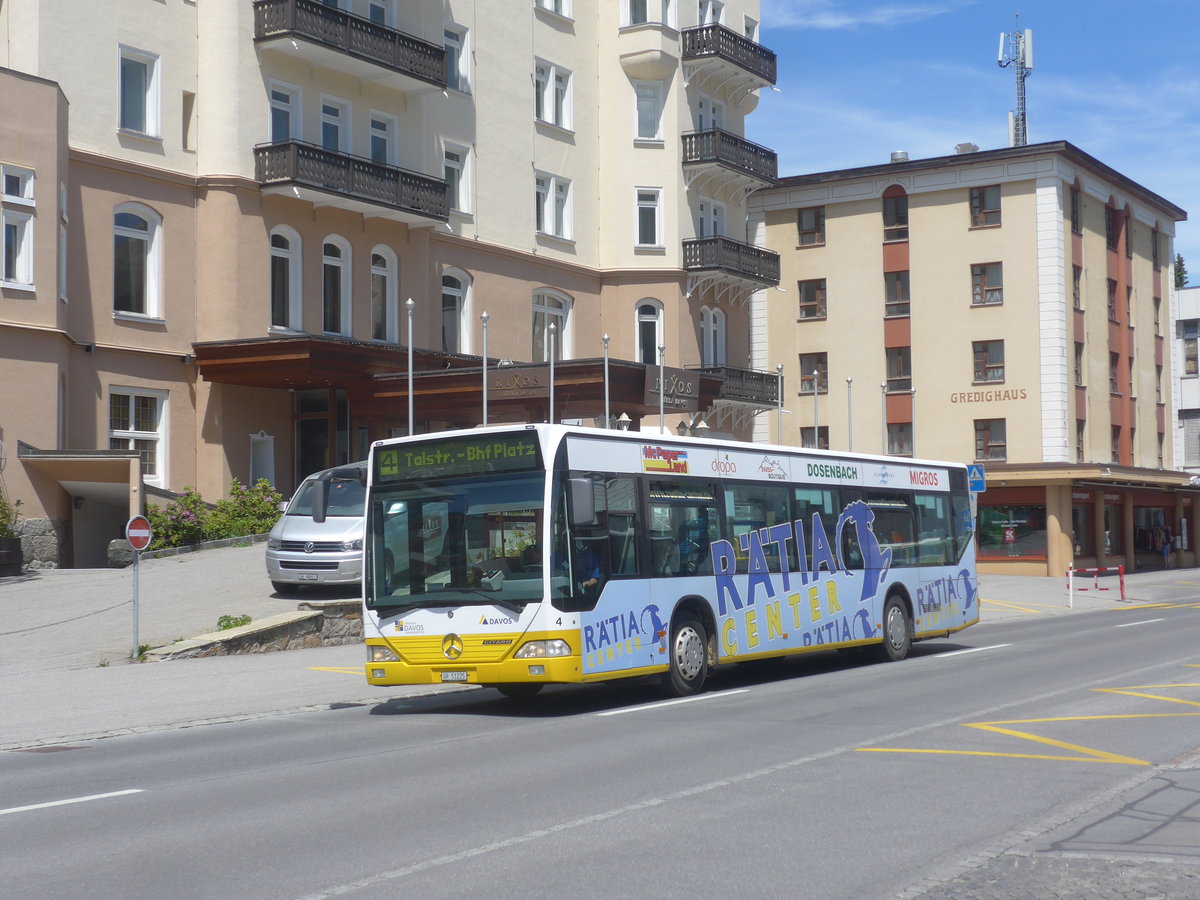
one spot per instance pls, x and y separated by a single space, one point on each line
138 533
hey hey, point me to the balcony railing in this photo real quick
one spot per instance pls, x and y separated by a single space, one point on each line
330 171
717 41
331 27
745 385
722 148
743 261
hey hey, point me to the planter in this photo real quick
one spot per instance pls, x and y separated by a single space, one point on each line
10 556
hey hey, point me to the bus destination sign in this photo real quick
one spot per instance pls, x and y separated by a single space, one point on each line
458 456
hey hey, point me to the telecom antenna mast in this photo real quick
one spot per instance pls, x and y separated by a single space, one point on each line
1019 54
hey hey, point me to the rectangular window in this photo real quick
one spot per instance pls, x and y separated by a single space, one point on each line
985 205
552 94
285 106
1158 395
454 41
1115 444
335 125
900 438
899 369
1191 366
989 361
454 171
649 99
895 294
812 298
17 185
987 284
1110 228
1080 431
1156 249
1112 300
814 373
648 217
1076 212
895 218
810 225
17 240
1078 364
380 12
1128 236
382 141
138 104
818 439
1077 286
135 423
1114 364
990 439
1158 315
553 199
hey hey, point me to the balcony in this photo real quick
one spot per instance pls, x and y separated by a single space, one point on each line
326 36
332 178
744 386
728 265
717 59
717 162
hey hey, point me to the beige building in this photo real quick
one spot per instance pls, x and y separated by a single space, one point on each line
1006 307
215 214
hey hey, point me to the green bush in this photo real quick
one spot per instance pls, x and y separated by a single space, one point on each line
9 513
249 510
189 520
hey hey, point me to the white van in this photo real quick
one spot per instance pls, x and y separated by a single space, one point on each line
301 550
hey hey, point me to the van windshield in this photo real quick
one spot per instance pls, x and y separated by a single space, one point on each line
346 498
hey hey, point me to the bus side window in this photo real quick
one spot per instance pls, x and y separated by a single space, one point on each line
822 502
753 507
934 533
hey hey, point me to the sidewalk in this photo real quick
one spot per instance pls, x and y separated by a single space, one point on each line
66 639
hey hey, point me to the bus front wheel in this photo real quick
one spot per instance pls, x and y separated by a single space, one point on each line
689 658
897 630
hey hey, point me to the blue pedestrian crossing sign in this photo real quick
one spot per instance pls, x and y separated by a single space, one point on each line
976 482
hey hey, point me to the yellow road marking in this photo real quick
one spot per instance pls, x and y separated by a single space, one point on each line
340 670
1088 754
1007 605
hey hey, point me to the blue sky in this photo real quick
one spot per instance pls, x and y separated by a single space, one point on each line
861 78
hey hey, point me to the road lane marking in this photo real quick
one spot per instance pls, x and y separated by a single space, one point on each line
340 670
645 706
969 650
1143 622
1136 691
1006 605
17 809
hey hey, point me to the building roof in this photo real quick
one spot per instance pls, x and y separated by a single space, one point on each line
1065 148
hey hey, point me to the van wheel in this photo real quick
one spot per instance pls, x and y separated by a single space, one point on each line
688 651
283 589
897 631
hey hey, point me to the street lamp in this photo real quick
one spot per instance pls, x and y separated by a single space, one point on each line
607 420
849 415
483 318
409 306
662 384
553 329
779 404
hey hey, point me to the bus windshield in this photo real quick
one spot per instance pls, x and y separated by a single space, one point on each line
456 542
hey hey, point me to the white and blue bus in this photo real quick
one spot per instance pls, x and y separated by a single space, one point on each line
527 555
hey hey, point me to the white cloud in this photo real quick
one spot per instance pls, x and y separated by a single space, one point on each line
828 14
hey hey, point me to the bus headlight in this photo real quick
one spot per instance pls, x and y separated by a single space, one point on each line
544 649
380 653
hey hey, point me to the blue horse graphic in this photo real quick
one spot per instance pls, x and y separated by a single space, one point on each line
876 561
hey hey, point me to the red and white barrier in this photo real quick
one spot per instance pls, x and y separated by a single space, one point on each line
1095 573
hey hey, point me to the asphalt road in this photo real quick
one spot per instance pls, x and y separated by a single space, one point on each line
1072 737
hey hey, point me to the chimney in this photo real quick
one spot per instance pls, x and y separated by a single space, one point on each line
899 156
966 147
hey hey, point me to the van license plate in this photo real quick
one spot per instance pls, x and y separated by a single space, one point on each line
454 676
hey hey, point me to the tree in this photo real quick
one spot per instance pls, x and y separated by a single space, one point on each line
1180 271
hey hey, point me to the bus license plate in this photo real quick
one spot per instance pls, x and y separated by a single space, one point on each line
454 676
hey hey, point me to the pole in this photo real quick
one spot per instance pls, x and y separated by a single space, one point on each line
779 404
662 385
914 423
483 317
883 415
137 555
816 410
849 415
607 418
409 305
553 329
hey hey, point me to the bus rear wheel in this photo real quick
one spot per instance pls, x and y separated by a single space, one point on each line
689 658
520 691
897 631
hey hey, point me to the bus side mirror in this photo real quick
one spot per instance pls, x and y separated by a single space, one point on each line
582 500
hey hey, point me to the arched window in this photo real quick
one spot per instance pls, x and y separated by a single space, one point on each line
649 331
137 255
285 279
550 307
712 336
383 295
895 214
335 286
456 332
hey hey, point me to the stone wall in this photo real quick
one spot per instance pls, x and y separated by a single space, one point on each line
45 543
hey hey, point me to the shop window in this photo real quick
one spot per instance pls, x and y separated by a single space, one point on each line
1012 531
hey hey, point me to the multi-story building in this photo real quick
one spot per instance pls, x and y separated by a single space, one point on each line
1005 307
216 214
1185 386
